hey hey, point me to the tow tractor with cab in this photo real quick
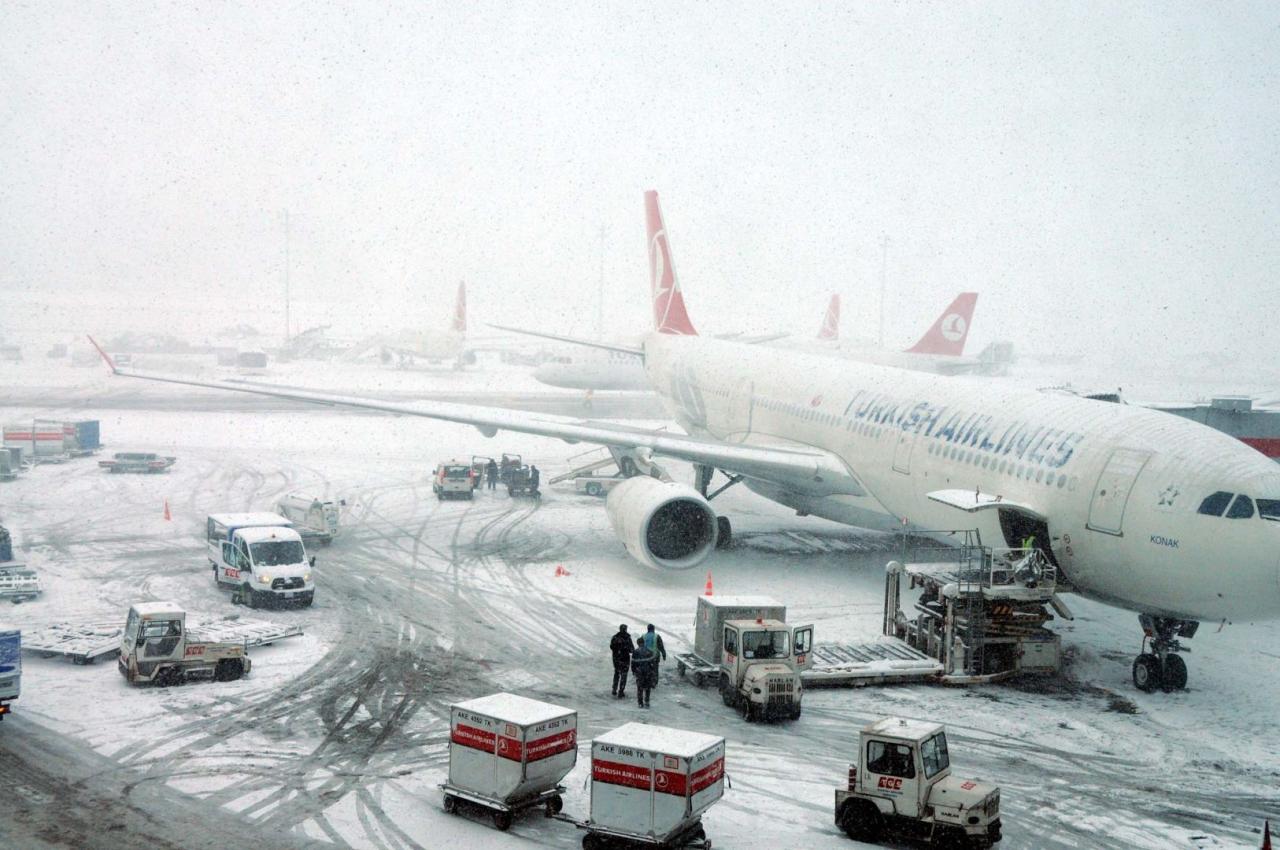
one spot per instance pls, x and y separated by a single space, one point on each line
902 785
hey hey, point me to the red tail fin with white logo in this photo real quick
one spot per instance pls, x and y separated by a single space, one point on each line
830 330
669 315
459 325
948 334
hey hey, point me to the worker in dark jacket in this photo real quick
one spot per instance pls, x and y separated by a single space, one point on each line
620 646
491 474
534 478
644 664
653 640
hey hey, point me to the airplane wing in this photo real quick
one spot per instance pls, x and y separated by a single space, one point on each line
625 349
815 470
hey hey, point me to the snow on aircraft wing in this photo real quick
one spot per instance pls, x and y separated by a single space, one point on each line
817 471
972 501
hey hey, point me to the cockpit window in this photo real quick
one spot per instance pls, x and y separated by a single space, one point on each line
1214 505
1269 509
1241 508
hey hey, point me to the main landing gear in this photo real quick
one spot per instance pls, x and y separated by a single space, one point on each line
1162 668
702 482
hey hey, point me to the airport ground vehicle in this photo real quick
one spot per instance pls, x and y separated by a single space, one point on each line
760 667
10 666
508 753
156 648
147 462
454 480
10 464
261 556
520 483
759 657
596 485
902 784
314 519
507 465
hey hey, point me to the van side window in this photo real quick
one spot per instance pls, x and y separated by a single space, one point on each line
731 641
1241 508
1214 505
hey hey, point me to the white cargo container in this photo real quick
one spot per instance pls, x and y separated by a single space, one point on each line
315 519
652 784
508 752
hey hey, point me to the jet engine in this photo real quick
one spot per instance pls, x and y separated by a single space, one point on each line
664 525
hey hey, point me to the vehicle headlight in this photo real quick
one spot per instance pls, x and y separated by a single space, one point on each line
264 579
306 577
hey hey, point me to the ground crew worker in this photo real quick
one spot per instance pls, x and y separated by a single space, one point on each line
620 646
1029 542
644 664
491 474
653 640
534 476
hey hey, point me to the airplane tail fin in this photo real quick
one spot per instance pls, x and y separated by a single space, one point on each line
948 334
459 325
830 329
669 314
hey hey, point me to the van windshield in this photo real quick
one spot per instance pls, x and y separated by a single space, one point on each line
761 645
274 553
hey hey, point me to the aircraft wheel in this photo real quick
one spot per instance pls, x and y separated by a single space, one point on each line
724 536
1147 674
1175 673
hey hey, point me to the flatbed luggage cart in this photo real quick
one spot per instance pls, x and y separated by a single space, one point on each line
600 837
503 812
697 669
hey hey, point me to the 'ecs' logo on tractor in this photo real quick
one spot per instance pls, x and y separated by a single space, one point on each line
889 783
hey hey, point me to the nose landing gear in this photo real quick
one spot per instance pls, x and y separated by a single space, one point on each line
1162 668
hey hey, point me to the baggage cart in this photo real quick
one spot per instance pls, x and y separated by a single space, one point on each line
19 582
650 786
508 753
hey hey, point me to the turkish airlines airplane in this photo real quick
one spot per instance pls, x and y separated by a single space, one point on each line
437 346
940 350
1139 509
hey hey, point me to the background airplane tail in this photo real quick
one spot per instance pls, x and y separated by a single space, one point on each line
948 334
830 330
669 315
459 325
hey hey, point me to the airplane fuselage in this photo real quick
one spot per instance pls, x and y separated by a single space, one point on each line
1121 487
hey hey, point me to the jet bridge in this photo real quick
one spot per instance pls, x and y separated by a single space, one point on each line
981 611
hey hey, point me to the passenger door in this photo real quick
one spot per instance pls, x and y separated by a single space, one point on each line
1111 492
892 772
902 451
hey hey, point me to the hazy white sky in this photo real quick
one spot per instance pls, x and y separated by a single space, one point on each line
1106 175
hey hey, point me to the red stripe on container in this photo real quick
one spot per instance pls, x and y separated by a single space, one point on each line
708 776
552 745
470 736
617 773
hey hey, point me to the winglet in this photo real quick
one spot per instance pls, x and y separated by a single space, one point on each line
107 357
830 329
948 334
669 315
460 309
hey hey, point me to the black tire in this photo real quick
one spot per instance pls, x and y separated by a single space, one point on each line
168 677
698 680
680 669
555 805
795 714
309 601
502 820
228 670
450 804
249 596
749 711
724 535
593 489
1147 674
727 695
861 820
591 841
1175 673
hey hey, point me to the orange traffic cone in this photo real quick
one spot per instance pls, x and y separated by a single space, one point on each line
707 590
1266 835
167 516
561 571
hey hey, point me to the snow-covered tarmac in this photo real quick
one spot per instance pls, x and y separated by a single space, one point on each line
340 737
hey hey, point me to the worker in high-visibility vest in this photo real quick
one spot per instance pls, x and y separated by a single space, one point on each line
1029 542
